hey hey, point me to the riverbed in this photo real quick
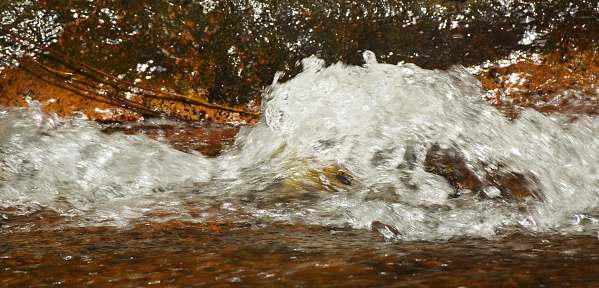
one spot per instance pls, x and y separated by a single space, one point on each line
398 145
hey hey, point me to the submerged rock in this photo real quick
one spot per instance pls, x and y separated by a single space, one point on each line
449 164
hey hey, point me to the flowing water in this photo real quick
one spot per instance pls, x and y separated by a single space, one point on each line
341 153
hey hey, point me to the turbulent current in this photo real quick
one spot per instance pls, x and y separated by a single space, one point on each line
337 146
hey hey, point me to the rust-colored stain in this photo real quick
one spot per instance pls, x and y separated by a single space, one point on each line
227 54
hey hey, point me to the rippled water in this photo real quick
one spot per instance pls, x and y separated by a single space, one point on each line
341 146
287 256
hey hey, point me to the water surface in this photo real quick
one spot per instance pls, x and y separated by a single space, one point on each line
334 180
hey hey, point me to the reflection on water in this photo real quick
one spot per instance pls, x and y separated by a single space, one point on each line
253 254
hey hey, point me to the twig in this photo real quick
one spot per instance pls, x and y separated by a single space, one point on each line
117 81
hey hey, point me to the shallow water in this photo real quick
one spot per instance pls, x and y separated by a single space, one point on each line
266 255
339 145
342 147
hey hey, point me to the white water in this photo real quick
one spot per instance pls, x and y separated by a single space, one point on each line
375 122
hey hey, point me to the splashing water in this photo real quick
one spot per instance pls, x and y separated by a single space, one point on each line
339 145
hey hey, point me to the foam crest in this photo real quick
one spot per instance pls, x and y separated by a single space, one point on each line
373 146
382 123
72 167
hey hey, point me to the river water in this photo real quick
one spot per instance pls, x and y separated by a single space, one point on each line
330 188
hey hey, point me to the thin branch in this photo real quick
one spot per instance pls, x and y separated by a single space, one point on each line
117 81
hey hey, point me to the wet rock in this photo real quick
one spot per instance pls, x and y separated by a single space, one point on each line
387 231
450 164
17 83
231 50
209 140
548 88
513 186
331 178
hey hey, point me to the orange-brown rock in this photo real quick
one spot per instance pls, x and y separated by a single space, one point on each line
448 163
231 51
548 87
16 84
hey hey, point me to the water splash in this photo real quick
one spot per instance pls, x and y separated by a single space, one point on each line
339 145
70 166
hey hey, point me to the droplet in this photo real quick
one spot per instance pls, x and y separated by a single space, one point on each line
312 64
369 57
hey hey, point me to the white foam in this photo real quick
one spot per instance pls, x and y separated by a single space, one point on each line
376 122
